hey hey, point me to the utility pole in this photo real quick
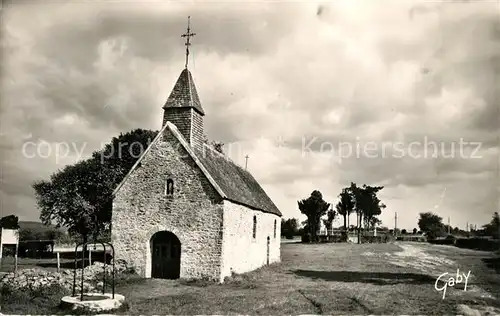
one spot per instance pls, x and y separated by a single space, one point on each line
395 222
358 221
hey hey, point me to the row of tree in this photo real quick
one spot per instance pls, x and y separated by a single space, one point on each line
361 200
432 225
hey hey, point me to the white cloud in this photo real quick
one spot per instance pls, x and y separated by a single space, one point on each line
396 72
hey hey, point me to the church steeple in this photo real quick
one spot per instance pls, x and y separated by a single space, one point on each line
184 94
183 107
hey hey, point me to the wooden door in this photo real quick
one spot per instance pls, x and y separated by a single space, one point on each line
166 253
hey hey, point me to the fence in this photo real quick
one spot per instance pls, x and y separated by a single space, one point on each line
414 238
43 253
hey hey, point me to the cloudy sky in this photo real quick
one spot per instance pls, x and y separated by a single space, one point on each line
292 84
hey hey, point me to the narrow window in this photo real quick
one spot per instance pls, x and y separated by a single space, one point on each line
275 229
254 226
169 187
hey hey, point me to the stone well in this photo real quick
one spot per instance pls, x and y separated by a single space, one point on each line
93 302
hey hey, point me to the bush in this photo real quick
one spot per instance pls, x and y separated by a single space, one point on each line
306 238
442 241
374 239
478 244
44 300
344 237
412 238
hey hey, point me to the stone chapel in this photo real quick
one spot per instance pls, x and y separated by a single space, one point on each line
184 210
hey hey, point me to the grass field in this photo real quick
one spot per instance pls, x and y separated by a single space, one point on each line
333 279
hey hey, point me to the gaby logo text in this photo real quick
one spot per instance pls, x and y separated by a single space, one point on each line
451 280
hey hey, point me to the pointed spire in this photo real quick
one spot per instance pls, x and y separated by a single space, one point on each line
184 94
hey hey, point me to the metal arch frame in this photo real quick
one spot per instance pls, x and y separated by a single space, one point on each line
84 245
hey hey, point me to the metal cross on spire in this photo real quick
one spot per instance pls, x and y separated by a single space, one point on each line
188 35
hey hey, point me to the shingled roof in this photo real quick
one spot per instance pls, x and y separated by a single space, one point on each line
232 182
184 93
238 184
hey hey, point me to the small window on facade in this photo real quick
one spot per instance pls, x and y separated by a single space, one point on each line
254 226
274 228
169 187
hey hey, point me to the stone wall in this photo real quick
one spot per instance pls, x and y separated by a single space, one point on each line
193 214
242 252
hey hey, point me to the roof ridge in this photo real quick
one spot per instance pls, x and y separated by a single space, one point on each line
189 87
141 157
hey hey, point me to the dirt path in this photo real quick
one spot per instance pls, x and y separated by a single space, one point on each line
436 260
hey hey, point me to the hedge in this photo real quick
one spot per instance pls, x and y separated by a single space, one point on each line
478 244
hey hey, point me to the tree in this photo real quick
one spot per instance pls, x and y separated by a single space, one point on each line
345 206
80 196
415 231
9 222
493 227
374 222
218 146
372 206
328 221
314 208
431 224
366 203
289 227
27 234
403 232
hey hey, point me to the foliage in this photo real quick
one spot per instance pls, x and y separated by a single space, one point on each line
362 200
289 227
345 206
431 224
328 221
51 233
80 196
366 202
478 244
9 222
218 146
493 227
415 231
41 301
404 232
374 221
314 208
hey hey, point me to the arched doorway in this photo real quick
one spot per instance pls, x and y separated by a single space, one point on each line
165 256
